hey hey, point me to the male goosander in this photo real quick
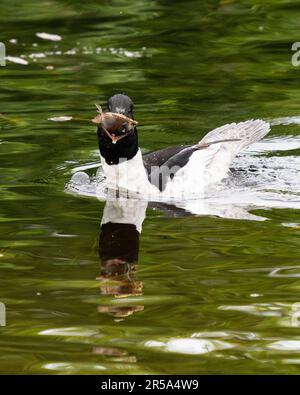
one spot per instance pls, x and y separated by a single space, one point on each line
177 171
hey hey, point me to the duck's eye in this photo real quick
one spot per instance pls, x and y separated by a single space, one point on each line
124 127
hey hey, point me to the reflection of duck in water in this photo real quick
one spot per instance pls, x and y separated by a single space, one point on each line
118 250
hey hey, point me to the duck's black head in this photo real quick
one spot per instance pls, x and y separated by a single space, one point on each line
121 104
127 147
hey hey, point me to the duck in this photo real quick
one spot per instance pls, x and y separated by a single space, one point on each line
174 172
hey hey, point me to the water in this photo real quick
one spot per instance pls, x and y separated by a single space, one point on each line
215 292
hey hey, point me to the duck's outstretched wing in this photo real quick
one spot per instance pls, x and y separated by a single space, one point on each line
236 137
244 134
210 158
209 162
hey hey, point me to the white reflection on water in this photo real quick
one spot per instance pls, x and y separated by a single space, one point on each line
69 332
190 346
73 367
48 36
285 345
260 309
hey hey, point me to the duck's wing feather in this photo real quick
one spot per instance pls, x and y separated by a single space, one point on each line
220 155
158 158
212 155
244 134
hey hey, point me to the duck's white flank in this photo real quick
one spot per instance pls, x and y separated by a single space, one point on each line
129 175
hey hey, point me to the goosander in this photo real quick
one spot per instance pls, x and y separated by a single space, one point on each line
173 172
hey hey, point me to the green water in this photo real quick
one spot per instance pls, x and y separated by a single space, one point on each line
232 286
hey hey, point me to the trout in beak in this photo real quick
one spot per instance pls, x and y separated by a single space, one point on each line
118 121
